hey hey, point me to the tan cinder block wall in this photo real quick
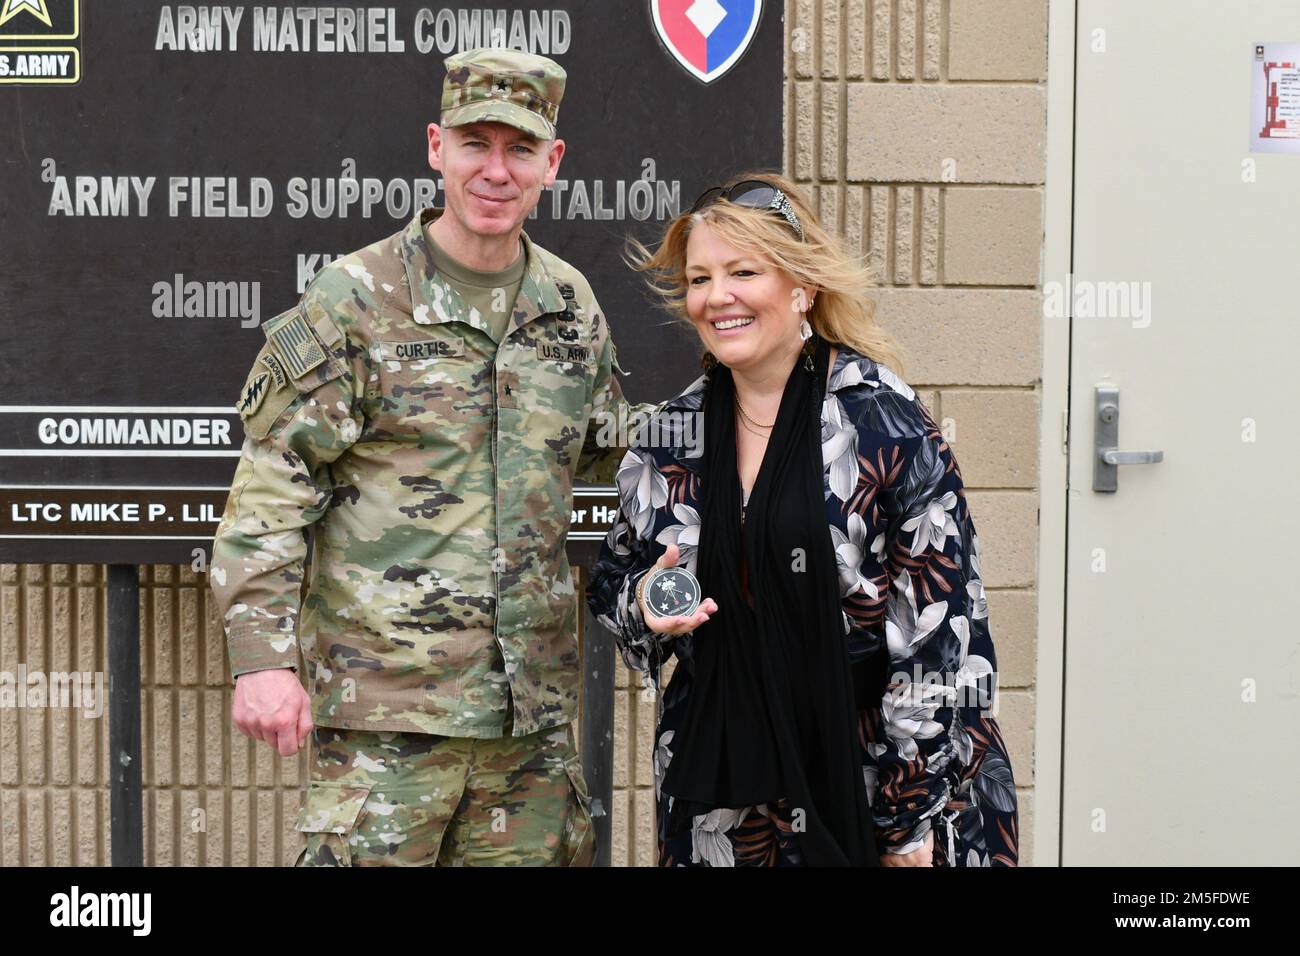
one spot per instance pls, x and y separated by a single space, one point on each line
918 128
211 796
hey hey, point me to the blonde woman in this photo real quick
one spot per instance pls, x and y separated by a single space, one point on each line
833 696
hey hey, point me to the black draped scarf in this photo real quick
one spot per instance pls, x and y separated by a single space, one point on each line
772 708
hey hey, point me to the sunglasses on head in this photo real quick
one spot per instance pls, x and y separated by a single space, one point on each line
753 194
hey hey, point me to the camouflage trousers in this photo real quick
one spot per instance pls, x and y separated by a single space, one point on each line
383 798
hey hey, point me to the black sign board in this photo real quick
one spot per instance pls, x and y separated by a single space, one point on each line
174 174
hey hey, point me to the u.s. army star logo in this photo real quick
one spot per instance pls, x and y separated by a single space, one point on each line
11 8
28 55
254 395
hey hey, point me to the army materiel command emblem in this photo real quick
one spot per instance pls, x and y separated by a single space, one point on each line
671 592
706 37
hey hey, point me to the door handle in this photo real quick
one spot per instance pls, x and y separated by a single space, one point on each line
1108 457
1113 457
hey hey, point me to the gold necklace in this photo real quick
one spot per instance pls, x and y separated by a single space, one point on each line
752 431
745 415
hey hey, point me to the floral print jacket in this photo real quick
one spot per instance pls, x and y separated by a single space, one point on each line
909 568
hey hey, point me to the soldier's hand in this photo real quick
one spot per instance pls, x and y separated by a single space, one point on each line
682 623
271 706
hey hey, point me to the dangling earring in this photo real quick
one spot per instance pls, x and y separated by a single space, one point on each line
806 333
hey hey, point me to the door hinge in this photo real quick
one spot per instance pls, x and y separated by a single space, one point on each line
1065 431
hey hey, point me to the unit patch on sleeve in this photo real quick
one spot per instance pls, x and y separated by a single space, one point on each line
277 369
254 394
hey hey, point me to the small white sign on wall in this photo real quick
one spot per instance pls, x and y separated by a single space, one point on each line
1275 98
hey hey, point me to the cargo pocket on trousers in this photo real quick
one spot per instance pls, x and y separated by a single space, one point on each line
327 819
579 841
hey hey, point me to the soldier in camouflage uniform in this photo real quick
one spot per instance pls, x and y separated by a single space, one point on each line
425 409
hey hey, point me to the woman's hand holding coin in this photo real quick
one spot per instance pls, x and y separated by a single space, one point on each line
670 602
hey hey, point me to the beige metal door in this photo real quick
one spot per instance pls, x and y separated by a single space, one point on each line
1182 653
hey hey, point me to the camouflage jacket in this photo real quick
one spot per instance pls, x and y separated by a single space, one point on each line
436 471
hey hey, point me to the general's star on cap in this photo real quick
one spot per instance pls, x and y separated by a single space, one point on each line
36 8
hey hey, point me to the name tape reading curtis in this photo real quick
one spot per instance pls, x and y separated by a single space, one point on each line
450 347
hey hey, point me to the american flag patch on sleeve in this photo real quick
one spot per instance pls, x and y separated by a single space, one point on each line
296 346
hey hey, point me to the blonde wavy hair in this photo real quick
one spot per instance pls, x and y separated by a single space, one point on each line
842 311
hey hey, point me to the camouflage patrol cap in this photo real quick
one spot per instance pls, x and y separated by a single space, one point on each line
503 86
